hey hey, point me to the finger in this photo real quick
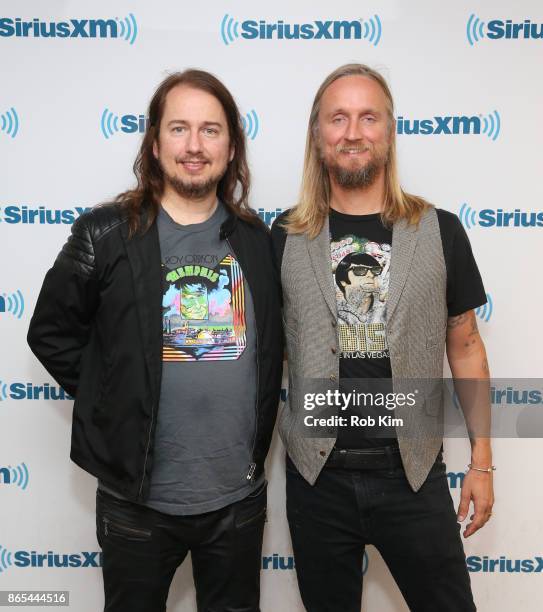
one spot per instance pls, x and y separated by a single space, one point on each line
463 506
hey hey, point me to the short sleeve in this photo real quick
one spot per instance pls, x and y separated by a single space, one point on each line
465 289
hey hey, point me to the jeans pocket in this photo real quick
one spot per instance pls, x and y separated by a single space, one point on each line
117 518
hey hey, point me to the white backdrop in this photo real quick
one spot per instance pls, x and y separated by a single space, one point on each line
68 105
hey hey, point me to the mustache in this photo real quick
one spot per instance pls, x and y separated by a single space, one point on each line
352 149
192 158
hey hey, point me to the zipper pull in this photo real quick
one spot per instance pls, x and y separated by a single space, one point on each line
251 473
106 522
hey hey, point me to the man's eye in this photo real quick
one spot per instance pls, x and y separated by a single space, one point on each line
337 119
211 131
178 129
369 119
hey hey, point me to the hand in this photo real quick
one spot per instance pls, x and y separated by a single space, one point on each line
477 486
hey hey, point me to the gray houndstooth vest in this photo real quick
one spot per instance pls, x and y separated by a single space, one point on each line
416 328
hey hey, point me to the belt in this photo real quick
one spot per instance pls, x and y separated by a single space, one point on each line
384 458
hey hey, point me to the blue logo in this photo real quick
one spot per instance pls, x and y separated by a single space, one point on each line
125 28
13 303
504 565
31 558
250 124
476 29
455 479
110 123
268 216
489 125
17 475
484 312
280 562
29 391
28 215
490 217
9 122
358 29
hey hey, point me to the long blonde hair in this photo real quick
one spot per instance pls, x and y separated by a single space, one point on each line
313 206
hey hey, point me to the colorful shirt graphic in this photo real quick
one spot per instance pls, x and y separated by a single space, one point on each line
361 276
203 312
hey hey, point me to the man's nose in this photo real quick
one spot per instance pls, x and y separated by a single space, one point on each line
194 144
354 130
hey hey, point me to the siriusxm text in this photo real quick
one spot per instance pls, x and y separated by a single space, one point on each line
71 28
331 30
40 215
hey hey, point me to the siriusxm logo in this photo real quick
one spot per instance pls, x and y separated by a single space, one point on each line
485 311
357 29
280 562
268 216
504 565
510 396
14 304
111 124
496 29
31 558
17 475
125 28
490 217
29 391
455 479
40 215
9 122
489 125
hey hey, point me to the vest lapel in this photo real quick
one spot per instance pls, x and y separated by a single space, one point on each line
404 241
319 255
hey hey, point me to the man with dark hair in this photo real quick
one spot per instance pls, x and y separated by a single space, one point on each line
161 316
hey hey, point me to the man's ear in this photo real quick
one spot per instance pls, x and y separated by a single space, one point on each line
155 149
232 153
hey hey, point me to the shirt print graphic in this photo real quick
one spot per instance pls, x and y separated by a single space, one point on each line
203 312
360 270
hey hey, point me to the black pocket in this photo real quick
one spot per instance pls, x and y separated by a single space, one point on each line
251 510
113 527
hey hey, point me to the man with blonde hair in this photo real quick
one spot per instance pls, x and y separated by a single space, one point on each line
377 284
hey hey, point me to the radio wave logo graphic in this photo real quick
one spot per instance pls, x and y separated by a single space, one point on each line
18 475
229 29
484 312
5 559
3 391
474 29
372 30
492 125
109 124
468 216
251 125
10 122
14 303
128 28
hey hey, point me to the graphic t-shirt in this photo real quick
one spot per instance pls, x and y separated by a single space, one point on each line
206 418
361 249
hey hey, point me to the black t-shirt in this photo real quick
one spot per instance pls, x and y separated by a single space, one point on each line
360 249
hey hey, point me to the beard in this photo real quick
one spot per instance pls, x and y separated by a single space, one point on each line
193 189
361 177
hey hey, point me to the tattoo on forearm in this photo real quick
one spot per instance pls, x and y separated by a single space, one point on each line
456 321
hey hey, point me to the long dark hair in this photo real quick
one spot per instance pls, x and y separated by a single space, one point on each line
233 188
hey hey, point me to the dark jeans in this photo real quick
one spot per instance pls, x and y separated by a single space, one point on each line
416 533
142 548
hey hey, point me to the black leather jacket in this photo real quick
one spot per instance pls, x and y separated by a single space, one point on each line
97 329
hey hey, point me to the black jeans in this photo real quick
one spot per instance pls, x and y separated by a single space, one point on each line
417 535
142 548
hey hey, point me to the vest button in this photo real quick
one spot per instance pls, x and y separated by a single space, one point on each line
322 453
332 377
334 322
334 350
